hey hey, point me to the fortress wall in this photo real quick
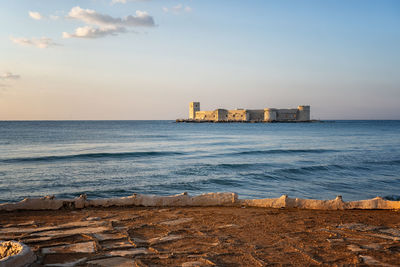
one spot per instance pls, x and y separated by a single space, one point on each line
269 114
286 114
206 115
256 114
193 107
237 115
221 114
303 113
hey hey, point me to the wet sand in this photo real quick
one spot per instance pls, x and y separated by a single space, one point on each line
206 236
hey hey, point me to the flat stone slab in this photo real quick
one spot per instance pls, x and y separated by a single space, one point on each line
108 236
371 261
29 230
36 239
85 247
227 226
128 252
158 240
114 261
117 244
75 231
192 264
177 221
67 264
354 248
19 230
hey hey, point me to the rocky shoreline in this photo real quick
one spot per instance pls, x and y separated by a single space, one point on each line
209 199
205 236
215 229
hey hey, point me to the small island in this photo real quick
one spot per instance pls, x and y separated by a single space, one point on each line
299 114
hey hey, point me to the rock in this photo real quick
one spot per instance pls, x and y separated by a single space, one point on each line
210 199
93 219
116 244
85 247
67 264
45 203
228 226
372 246
80 201
177 221
15 254
29 239
215 199
391 231
354 248
371 261
114 261
192 264
128 252
75 231
108 236
158 240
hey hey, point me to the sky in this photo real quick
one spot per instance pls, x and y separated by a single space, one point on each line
147 59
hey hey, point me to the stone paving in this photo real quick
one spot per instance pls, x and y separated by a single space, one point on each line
206 237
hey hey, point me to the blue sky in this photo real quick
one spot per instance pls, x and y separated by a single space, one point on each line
96 59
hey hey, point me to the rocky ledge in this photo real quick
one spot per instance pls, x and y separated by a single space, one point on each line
204 200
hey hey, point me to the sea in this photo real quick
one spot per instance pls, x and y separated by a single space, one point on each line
105 159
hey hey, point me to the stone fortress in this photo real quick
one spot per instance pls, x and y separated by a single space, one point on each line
299 114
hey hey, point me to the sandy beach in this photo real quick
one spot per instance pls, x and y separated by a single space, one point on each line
206 236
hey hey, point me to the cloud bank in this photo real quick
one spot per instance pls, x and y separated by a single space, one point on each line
43 42
100 25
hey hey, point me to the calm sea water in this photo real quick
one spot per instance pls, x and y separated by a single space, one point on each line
355 159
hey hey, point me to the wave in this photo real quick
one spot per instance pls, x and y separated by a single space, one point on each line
392 197
282 151
206 169
384 162
118 155
322 168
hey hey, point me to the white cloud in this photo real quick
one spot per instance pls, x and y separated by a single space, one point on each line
35 15
43 42
38 16
92 32
118 2
125 1
9 76
101 24
92 17
54 17
177 9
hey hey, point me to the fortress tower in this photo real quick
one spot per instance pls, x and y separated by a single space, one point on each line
303 113
193 107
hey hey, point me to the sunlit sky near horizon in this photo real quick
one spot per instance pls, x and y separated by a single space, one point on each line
131 59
